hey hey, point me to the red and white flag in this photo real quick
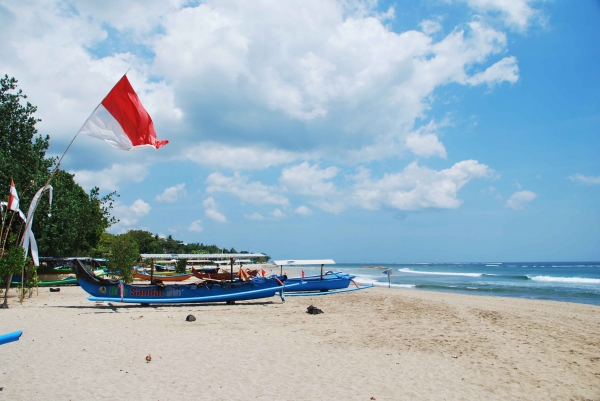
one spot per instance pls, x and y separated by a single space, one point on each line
13 198
122 121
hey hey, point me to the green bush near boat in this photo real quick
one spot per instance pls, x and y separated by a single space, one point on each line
123 254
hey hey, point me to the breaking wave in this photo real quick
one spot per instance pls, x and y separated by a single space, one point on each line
573 280
441 273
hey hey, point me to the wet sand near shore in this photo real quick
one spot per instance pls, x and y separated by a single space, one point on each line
373 344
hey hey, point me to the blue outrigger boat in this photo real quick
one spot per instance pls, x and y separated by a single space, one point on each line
10 337
113 290
331 282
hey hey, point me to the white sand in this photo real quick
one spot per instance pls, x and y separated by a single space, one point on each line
386 344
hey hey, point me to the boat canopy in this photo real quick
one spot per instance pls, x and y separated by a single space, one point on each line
304 262
205 256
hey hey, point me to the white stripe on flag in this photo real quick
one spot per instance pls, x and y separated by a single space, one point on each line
103 125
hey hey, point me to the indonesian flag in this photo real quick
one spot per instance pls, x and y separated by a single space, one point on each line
122 121
13 198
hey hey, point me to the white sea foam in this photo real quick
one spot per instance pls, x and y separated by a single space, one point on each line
442 273
575 280
370 280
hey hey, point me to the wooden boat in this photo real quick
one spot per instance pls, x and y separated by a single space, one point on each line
208 291
220 276
10 337
161 277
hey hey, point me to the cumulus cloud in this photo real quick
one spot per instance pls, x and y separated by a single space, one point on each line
211 211
112 178
417 187
128 216
303 210
238 72
584 179
505 70
252 192
195 226
172 194
343 71
308 180
520 199
277 214
430 26
254 216
216 155
424 141
518 14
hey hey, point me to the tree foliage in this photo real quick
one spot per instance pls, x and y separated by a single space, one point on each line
78 219
12 262
122 256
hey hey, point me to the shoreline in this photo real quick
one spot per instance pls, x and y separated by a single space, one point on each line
372 343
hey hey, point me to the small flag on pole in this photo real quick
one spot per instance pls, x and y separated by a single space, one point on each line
388 273
13 198
122 121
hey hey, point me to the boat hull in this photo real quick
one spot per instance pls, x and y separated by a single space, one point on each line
114 291
10 337
329 282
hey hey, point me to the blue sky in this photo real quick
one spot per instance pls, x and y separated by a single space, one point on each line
364 131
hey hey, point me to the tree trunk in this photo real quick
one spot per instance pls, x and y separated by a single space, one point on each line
5 304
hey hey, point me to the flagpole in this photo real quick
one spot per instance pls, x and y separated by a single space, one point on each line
63 155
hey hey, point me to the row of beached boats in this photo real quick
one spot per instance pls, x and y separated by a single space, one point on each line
214 286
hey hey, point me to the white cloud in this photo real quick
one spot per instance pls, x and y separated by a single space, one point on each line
172 194
424 141
239 72
195 226
505 70
430 26
342 72
254 216
128 216
519 199
211 211
584 179
215 155
110 179
308 180
303 210
417 187
253 192
277 214
516 13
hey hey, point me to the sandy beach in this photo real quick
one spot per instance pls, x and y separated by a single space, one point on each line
376 344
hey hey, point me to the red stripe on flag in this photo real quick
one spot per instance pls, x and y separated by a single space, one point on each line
124 105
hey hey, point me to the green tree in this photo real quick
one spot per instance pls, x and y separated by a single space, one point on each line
12 262
78 219
146 241
181 266
122 257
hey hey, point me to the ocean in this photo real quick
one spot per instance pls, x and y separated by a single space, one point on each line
555 281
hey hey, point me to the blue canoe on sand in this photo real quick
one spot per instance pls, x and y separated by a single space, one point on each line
328 283
10 337
115 291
